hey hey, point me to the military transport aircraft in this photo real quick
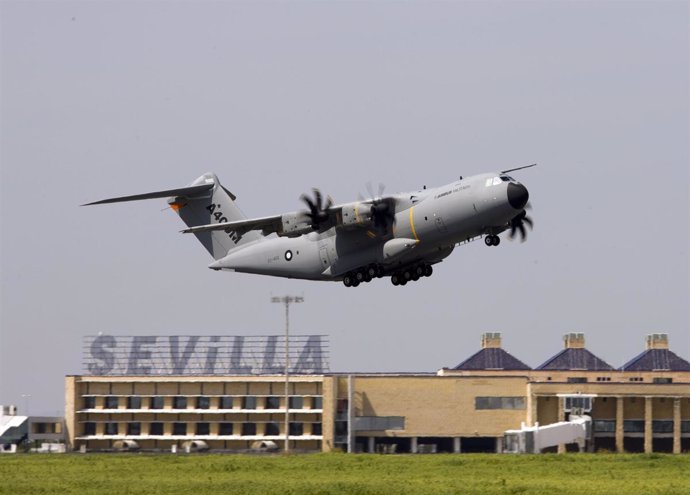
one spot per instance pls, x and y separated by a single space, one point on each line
400 235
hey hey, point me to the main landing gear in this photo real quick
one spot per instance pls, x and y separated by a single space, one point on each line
363 275
409 274
492 240
413 274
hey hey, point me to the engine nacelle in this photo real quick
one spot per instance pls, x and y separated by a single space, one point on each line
356 214
295 224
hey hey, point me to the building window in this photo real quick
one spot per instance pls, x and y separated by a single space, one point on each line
179 402
225 429
379 423
685 426
577 379
89 403
317 402
296 402
272 402
133 428
499 402
157 403
89 428
203 402
271 429
111 428
134 402
179 428
111 402
203 429
636 379
662 426
296 429
249 402
603 378
156 429
604 425
633 426
226 402
578 402
248 428
663 380
316 429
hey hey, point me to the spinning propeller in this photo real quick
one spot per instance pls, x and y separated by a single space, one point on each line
318 212
382 210
518 224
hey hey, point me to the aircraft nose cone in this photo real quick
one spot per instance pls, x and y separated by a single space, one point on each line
517 196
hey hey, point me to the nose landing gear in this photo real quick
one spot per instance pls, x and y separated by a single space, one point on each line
492 240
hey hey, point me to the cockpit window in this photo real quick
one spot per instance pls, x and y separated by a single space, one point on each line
494 181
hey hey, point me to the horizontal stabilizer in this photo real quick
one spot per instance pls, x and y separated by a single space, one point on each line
184 191
270 224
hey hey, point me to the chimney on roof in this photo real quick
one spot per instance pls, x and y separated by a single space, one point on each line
491 340
574 340
657 341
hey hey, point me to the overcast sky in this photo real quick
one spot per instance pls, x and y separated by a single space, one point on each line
102 99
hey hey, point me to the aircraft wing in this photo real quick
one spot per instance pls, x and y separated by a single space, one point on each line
286 224
378 213
267 225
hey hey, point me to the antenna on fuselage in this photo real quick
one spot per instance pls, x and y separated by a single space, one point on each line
518 168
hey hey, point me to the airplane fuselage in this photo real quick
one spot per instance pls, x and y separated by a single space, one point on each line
433 220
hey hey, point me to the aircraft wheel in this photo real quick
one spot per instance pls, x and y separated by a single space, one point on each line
347 280
419 270
359 276
415 277
367 277
372 271
403 281
497 240
395 280
489 240
428 270
379 271
407 275
355 283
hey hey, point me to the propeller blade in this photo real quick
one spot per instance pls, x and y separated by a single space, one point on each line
307 200
523 232
370 190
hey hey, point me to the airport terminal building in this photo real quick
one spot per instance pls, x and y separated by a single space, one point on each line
162 394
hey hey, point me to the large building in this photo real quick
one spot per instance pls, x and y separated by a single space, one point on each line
643 406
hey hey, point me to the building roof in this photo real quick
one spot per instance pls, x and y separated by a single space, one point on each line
492 358
656 359
576 359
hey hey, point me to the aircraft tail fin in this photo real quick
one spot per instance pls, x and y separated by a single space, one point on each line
204 201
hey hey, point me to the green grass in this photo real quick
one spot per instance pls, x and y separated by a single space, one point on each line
340 474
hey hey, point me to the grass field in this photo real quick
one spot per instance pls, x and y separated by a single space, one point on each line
339 474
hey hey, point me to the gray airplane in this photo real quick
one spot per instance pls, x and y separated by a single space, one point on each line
400 235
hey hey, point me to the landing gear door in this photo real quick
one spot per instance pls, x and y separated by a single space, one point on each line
323 255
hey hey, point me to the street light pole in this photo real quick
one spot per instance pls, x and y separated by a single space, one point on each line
287 300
